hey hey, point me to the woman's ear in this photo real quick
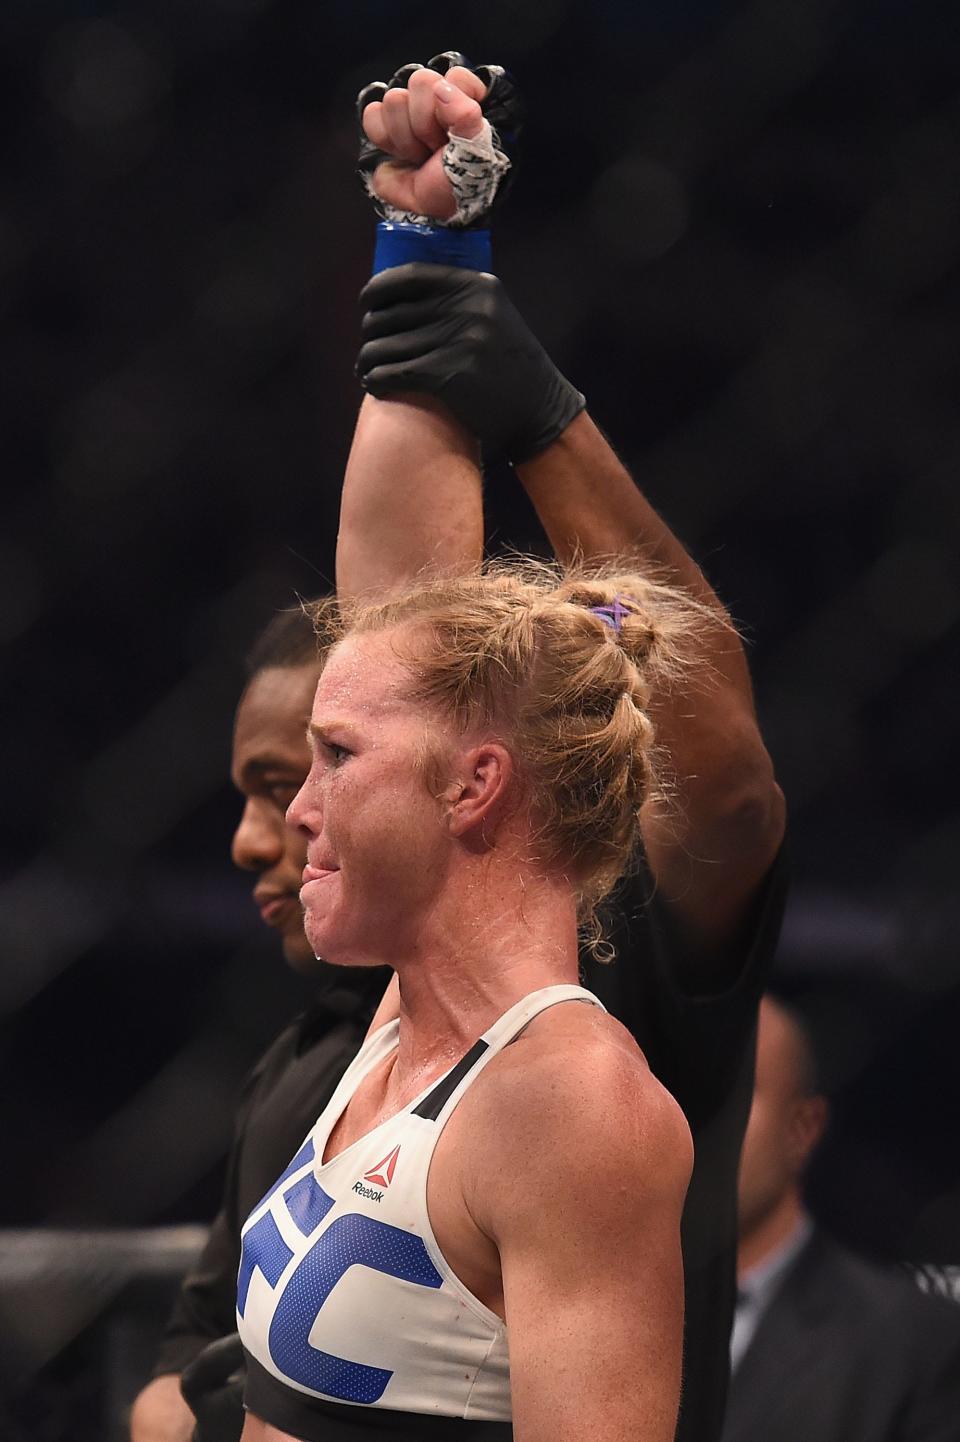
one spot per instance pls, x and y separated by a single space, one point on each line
484 776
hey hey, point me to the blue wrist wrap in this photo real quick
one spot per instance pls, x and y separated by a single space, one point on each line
399 242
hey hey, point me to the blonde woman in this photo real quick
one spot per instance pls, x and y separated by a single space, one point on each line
482 1231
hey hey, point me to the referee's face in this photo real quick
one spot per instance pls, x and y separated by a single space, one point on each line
270 760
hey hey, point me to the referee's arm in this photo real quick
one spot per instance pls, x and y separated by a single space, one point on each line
712 848
160 1414
203 1312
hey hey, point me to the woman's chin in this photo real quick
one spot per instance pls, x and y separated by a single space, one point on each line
338 950
327 940
319 938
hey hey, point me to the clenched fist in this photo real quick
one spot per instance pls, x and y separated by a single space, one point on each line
436 140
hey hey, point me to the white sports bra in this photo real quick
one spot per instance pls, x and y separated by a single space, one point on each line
343 1294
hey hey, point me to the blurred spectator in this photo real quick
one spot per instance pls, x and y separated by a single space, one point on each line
825 1344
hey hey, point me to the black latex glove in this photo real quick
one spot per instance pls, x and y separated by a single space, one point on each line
502 106
455 334
212 1385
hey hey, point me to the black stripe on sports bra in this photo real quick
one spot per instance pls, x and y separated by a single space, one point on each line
434 1102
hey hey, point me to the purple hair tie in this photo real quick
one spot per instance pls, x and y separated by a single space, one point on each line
612 615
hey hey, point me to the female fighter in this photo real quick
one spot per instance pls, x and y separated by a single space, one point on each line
482 1230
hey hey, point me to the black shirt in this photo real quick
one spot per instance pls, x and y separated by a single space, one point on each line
700 1046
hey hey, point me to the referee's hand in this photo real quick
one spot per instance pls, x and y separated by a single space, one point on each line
212 1385
454 334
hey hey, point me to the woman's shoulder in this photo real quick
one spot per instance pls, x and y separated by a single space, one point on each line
575 1075
571 1039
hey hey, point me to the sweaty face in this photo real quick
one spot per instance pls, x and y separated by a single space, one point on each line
270 759
377 851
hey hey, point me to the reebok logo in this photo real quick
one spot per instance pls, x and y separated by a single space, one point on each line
367 1192
382 1173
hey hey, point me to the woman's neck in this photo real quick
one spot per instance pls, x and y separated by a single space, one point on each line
474 964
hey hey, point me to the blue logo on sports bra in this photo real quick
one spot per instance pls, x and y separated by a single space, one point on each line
353 1240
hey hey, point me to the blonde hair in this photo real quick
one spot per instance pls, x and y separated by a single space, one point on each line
518 648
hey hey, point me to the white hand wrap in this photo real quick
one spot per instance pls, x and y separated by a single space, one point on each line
474 169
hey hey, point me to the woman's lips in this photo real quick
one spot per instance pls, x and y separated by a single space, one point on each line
317 873
314 876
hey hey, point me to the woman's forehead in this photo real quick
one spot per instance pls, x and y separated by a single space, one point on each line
363 673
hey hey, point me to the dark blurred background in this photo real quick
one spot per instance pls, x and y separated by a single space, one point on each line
736 227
